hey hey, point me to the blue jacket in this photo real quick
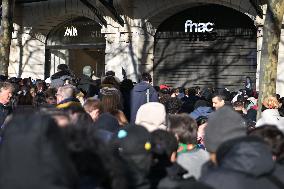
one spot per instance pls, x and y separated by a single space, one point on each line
201 111
139 97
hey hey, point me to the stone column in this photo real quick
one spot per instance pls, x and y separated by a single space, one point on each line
129 47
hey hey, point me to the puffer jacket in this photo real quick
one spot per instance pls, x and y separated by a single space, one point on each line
271 117
244 163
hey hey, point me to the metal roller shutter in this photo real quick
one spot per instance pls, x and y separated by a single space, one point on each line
222 58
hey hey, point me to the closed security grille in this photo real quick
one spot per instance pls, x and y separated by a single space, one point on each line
222 57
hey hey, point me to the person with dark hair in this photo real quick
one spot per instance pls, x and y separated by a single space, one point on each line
126 86
33 154
189 100
248 86
191 155
50 96
6 93
173 105
142 93
201 124
96 165
166 173
236 160
274 138
218 100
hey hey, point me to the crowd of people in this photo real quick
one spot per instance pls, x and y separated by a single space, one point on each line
84 133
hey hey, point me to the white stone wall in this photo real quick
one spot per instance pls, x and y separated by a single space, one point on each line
26 56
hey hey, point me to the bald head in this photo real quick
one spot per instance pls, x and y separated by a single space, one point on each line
64 92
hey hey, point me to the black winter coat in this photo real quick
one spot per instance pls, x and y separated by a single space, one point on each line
244 163
175 180
4 112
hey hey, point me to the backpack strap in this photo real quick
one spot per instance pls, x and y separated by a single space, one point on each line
148 95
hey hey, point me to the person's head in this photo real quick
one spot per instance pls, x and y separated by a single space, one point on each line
238 106
146 77
6 92
223 125
152 116
164 145
87 70
65 92
110 99
183 127
110 73
50 96
133 144
93 107
173 105
271 102
40 85
273 137
201 124
62 67
218 101
110 81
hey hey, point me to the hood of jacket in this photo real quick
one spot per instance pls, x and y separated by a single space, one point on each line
248 155
272 117
142 86
201 111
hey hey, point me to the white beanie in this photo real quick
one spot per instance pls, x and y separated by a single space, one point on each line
152 116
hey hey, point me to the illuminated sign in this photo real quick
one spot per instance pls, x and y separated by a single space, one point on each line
198 27
71 32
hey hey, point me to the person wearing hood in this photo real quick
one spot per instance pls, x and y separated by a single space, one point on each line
87 84
201 108
63 72
270 114
142 93
236 160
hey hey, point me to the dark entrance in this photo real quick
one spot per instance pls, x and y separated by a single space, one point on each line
77 42
222 57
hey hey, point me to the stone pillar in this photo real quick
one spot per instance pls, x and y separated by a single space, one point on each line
129 47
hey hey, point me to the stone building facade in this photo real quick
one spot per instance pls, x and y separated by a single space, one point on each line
39 42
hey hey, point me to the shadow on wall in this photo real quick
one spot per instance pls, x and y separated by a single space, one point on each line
25 51
222 57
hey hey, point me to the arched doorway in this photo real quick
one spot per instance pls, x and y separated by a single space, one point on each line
221 56
77 42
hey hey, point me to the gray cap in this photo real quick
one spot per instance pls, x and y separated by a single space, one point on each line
223 125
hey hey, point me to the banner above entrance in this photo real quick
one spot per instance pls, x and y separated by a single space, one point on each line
78 31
